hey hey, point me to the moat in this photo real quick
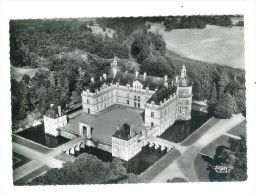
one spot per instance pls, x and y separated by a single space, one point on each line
179 131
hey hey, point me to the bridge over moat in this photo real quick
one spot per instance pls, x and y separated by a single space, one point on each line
81 143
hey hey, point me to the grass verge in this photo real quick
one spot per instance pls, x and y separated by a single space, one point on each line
199 132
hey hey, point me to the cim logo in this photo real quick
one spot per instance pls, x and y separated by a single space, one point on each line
222 169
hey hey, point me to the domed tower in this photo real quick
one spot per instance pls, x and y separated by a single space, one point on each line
184 92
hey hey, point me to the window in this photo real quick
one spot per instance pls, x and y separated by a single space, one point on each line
138 105
184 103
127 95
152 114
135 98
138 98
87 101
127 101
116 99
152 124
135 104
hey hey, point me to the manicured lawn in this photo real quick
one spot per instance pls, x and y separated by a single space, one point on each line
30 144
160 166
200 132
239 130
32 175
200 168
212 44
209 150
19 160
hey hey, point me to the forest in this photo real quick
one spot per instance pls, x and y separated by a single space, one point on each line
67 53
87 169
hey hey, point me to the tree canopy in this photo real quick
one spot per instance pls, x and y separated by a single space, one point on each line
86 169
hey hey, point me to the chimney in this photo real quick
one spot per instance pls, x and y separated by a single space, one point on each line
59 111
105 76
92 79
131 131
144 75
165 78
114 71
177 78
136 74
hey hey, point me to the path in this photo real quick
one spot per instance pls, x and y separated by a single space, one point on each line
39 159
184 164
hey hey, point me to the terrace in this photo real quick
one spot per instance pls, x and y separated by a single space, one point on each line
104 125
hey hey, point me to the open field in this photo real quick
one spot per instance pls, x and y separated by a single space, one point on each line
209 150
96 29
239 130
17 73
214 44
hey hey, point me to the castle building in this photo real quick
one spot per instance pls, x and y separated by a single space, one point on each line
163 100
160 100
53 120
125 144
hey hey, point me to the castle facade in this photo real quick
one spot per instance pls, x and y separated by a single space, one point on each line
161 100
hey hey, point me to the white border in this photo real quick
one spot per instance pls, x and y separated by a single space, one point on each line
65 9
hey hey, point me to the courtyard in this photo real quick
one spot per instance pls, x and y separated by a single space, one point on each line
105 124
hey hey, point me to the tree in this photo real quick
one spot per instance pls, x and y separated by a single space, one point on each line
157 66
234 157
140 48
86 169
212 102
91 23
239 171
225 107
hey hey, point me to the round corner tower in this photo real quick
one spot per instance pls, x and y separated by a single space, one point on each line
184 92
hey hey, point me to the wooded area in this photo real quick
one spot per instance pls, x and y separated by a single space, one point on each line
67 54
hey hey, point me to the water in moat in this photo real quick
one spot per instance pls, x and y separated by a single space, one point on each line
138 164
37 134
180 130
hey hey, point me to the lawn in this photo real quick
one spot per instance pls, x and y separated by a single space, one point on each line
200 168
199 163
164 162
29 144
209 150
96 29
19 160
17 73
213 44
239 130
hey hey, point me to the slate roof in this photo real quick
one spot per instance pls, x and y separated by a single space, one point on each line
161 94
128 78
124 131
